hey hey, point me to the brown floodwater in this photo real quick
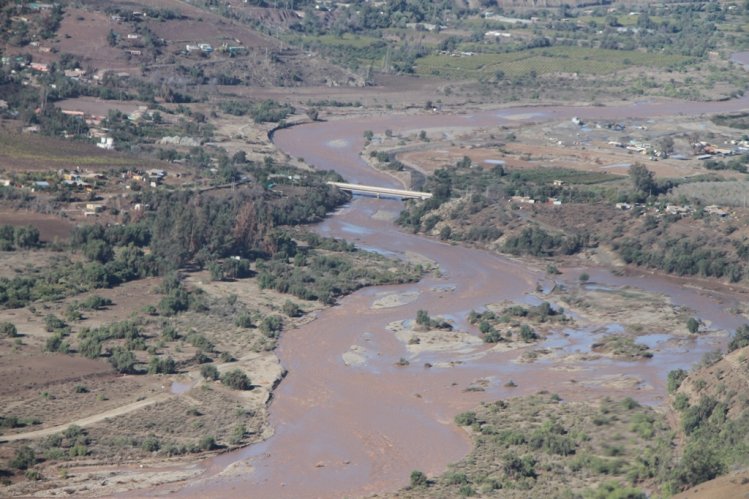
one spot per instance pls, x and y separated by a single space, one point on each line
352 430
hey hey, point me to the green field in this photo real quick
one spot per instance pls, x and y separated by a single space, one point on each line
586 61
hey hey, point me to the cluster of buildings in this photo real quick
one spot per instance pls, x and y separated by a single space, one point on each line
705 150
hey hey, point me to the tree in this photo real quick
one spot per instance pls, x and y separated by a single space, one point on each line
666 144
236 379
642 178
693 325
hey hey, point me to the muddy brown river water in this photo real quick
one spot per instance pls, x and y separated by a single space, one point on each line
352 430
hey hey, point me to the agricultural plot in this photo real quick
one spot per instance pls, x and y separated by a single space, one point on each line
581 60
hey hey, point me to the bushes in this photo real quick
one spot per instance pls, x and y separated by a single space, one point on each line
237 380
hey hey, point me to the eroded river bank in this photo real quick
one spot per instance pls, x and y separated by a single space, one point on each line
350 421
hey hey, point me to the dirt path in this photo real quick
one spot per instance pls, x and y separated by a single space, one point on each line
112 413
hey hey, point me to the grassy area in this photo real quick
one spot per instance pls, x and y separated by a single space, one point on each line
587 61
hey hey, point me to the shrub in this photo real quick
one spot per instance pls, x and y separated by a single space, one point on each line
236 379
244 320
57 343
151 444
422 318
292 309
465 418
169 333
418 479
24 458
96 302
527 333
674 379
207 443
693 325
8 330
209 372
271 325
698 465
199 341
162 366
122 360
740 338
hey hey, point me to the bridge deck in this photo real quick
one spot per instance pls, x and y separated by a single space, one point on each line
402 193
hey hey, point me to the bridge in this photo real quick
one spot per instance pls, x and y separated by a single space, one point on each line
382 191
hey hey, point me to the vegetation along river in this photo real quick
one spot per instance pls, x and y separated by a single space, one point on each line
356 427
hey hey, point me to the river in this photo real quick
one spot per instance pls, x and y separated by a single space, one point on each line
353 430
